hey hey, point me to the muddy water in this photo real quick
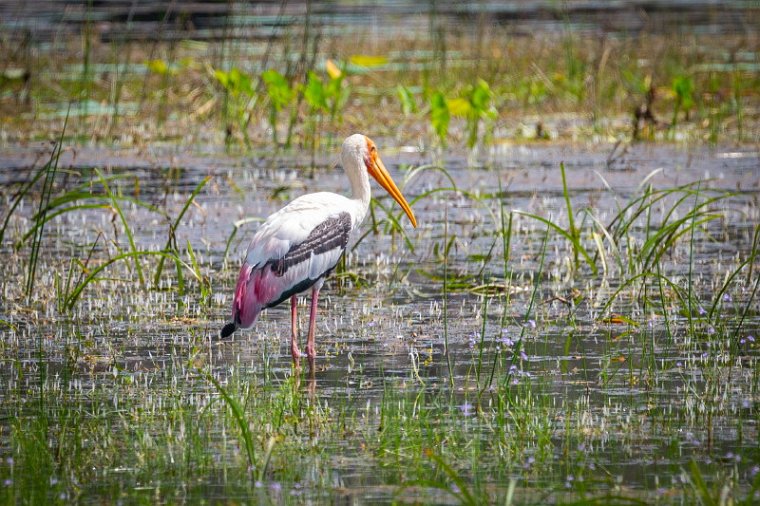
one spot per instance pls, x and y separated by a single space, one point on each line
374 332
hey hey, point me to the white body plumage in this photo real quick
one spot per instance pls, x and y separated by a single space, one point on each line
299 245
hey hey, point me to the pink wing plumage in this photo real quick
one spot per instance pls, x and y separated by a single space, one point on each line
285 271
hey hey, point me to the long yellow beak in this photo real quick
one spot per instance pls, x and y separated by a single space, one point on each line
377 170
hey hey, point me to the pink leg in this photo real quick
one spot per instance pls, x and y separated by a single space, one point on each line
312 387
294 335
310 350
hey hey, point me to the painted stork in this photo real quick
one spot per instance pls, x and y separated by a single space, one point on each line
297 247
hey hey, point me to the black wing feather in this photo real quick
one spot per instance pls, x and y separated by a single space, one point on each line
328 235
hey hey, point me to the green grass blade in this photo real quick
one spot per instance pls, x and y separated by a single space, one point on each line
92 275
172 240
577 246
465 495
239 415
573 231
125 224
644 275
50 170
19 197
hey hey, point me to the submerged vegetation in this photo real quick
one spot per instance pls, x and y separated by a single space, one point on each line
522 356
574 326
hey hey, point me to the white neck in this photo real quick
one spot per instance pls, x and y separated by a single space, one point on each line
353 165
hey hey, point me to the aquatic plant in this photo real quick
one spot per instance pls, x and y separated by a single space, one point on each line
325 98
683 90
523 346
241 420
49 171
573 80
280 96
478 110
440 116
171 240
166 71
473 105
571 233
406 99
519 422
238 94
569 75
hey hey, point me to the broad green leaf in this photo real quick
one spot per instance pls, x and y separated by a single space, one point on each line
240 82
314 93
234 81
480 97
683 87
223 78
333 89
440 116
408 104
278 89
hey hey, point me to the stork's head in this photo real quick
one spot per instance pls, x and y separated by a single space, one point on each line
360 148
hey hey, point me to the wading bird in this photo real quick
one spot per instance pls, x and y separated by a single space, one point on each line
297 247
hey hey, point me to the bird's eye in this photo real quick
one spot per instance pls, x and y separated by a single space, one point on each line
372 149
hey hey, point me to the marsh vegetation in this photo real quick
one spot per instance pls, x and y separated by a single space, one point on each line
575 320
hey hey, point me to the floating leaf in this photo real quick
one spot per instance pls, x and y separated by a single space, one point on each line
458 107
157 66
364 60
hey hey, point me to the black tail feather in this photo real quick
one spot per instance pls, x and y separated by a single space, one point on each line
227 330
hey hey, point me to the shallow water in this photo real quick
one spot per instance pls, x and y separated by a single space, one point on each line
46 20
593 406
